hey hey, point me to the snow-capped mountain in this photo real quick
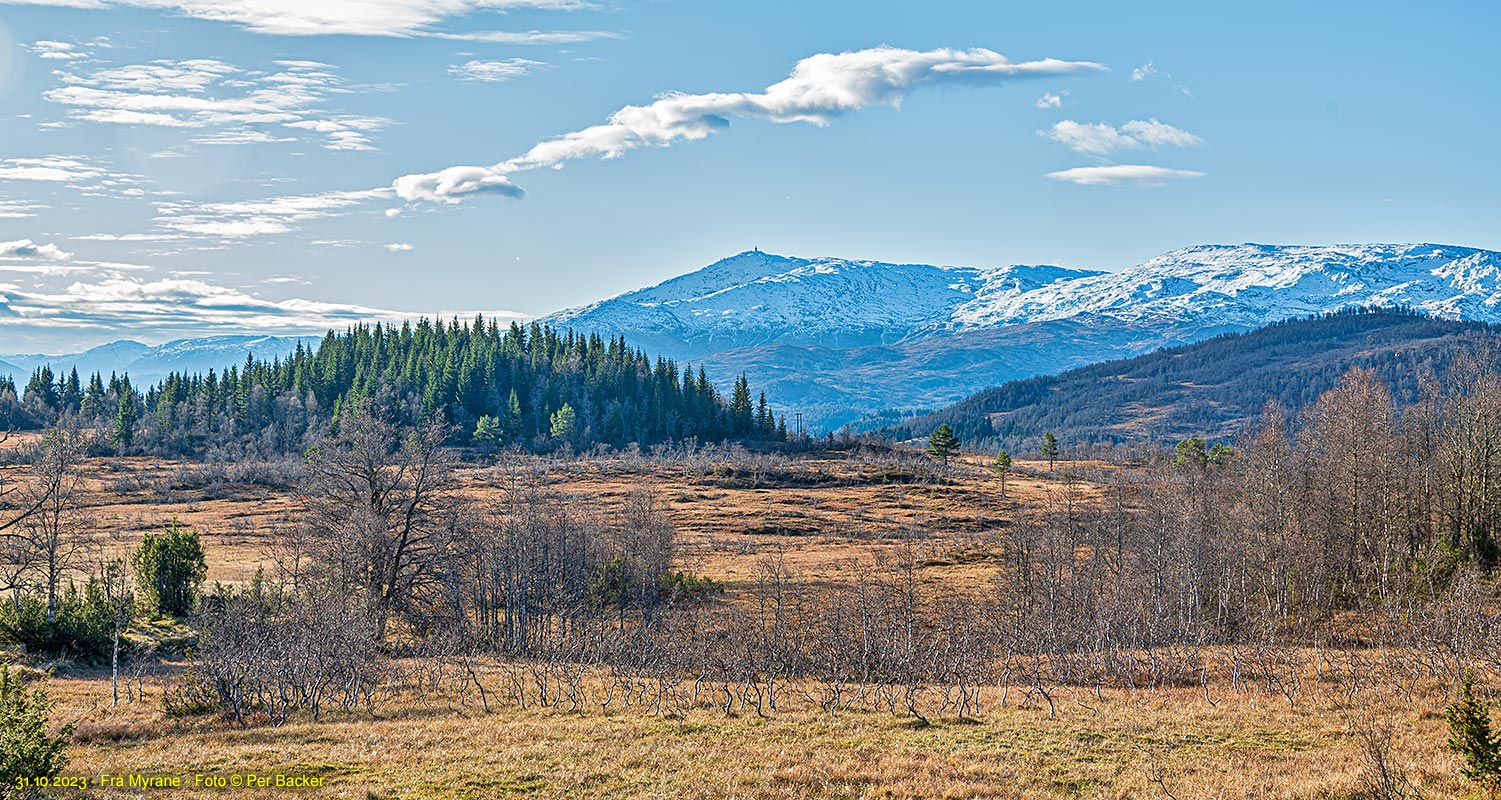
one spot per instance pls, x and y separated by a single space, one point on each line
838 338
148 364
1251 285
757 298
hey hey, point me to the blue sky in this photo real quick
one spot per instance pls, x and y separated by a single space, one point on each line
183 167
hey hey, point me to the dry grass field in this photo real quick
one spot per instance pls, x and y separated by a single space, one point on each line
822 515
1166 744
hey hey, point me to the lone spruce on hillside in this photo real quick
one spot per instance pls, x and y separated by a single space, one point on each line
942 445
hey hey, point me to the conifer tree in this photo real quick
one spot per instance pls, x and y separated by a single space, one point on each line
126 415
942 445
1000 467
1050 448
564 422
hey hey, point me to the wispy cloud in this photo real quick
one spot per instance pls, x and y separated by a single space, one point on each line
398 247
404 18
156 309
208 93
1122 174
18 209
528 37
1147 71
55 169
275 215
1100 139
1050 100
820 89
508 69
130 237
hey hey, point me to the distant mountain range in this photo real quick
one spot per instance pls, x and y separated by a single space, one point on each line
850 341
841 339
1212 388
147 364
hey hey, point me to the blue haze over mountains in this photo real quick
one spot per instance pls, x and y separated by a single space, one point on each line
840 340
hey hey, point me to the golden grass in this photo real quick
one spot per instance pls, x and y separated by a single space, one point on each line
1110 747
1094 748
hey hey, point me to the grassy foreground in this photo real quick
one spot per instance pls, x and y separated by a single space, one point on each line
1169 743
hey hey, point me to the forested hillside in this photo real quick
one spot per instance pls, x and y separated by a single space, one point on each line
530 386
1211 388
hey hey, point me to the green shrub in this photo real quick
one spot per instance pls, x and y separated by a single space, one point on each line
27 750
685 585
82 625
170 569
1470 736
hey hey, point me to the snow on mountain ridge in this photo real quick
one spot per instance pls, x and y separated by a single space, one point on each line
1252 285
835 338
759 298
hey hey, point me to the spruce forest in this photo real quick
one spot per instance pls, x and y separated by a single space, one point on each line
531 387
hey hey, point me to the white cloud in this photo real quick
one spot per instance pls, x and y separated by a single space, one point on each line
207 93
18 209
1100 139
346 17
182 306
56 169
25 248
820 89
398 247
344 132
244 218
527 37
1050 100
1122 174
56 51
130 237
508 69
1143 72
239 137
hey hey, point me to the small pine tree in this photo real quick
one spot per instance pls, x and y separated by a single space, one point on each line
1050 448
170 568
942 445
1470 736
1191 453
27 750
564 422
487 432
1000 467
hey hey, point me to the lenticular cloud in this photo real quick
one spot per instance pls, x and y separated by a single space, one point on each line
820 89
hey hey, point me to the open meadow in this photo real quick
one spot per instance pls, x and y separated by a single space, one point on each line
1331 722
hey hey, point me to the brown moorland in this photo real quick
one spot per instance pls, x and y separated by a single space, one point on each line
823 515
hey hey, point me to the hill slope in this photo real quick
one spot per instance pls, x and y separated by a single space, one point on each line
1211 388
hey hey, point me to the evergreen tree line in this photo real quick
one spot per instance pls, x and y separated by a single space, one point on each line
528 386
